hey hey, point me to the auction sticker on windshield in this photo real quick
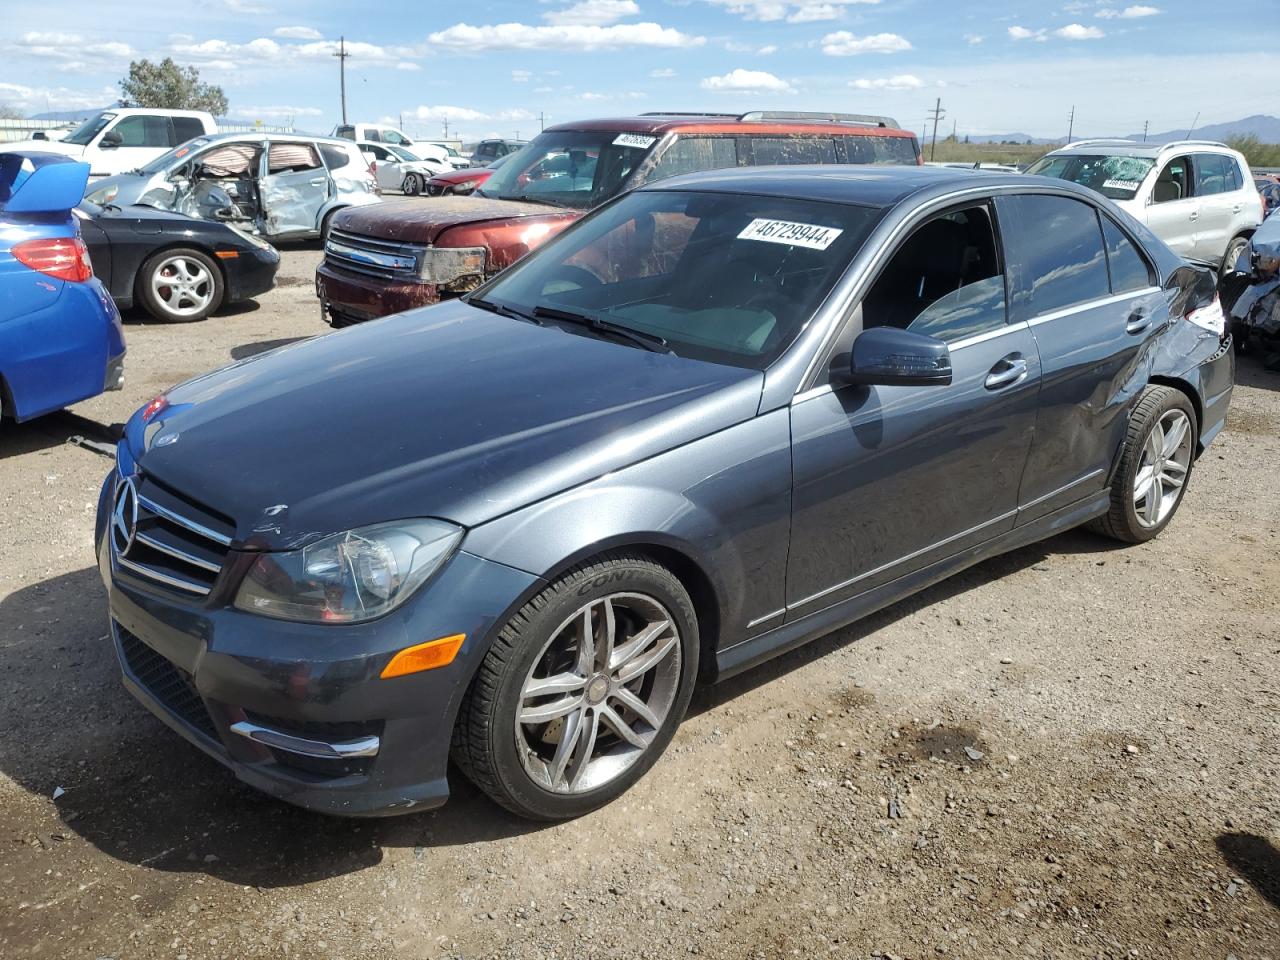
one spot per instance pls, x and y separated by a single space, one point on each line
633 140
792 234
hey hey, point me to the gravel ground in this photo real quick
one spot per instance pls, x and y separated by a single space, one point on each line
1069 751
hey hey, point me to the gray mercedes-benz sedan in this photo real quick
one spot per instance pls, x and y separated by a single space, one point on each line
717 418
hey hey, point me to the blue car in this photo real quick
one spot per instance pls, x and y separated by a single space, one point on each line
60 334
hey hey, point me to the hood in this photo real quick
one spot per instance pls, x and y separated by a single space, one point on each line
447 412
43 146
413 221
464 173
128 187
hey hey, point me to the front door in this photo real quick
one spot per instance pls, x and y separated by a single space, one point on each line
294 189
890 479
1173 210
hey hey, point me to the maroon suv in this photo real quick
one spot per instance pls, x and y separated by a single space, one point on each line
390 257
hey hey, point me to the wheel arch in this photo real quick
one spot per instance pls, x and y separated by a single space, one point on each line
1192 394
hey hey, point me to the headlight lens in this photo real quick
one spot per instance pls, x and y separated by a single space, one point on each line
250 238
349 577
447 264
104 195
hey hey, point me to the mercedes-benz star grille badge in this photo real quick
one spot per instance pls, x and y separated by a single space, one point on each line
124 516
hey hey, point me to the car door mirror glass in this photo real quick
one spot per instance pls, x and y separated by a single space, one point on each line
110 140
889 356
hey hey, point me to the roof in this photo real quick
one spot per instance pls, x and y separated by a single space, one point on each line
878 186
1135 148
765 122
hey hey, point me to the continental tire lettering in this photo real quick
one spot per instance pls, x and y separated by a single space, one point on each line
599 581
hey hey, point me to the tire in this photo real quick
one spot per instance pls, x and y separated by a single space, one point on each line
412 185
522 765
1135 518
180 285
1234 249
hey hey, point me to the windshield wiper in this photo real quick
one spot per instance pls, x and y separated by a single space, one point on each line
649 341
503 310
520 198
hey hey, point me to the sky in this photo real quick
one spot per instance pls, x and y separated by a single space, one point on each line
493 68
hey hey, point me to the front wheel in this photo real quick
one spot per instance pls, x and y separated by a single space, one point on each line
582 691
180 285
412 185
1155 466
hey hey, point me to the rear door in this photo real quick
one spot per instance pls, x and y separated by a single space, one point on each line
1219 204
1173 212
890 479
1091 301
295 188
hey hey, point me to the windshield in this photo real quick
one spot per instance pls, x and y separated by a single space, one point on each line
1117 178
170 159
723 277
82 134
570 168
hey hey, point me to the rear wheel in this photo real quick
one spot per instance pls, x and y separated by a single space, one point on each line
412 185
582 691
1234 249
1155 466
180 285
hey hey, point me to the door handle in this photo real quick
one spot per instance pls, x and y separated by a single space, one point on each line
319 181
1137 322
1193 216
1012 369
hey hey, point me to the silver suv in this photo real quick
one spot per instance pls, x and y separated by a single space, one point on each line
1195 195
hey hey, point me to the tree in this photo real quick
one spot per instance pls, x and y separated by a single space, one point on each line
169 86
9 112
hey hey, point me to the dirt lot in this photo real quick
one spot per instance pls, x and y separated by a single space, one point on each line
1069 751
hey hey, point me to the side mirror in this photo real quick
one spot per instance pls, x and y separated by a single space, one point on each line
110 140
888 356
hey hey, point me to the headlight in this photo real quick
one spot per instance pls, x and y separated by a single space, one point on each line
466 185
104 195
446 264
349 577
250 238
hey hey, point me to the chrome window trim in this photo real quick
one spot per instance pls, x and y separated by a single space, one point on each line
1091 305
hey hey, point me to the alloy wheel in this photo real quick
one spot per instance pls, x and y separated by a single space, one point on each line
598 693
183 285
1162 471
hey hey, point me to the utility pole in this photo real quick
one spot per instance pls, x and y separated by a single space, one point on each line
938 114
542 125
446 128
342 55
953 129
1071 123
1145 125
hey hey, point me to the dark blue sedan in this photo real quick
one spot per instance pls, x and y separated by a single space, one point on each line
717 418
60 334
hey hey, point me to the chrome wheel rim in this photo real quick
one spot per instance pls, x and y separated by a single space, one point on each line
598 693
1162 471
183 285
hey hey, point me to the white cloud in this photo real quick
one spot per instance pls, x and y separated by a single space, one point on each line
767 49
746 81
1022 33
1076 31
592 96
842 43
597 13
793 11
279 112
245 6
298 33
71 47
40 99
1128 13
521 76
544 89
973 39
664 73
408 66
903 81
452 114
521 36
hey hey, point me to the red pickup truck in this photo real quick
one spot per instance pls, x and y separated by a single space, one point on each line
392 257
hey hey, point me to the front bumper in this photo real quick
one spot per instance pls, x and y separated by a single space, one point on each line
346 298
251 274
219 676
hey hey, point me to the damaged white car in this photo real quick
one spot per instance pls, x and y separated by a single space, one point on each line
278 186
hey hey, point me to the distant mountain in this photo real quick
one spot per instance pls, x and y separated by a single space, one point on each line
62 116
1012 137
1265 128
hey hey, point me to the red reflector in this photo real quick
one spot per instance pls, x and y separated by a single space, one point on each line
154 407
66 258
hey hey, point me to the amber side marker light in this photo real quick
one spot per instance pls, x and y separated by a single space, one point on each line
424 656
226 254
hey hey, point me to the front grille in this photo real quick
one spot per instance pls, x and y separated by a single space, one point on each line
375 258
167 683
175 543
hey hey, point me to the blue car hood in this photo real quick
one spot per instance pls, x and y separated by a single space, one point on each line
448 411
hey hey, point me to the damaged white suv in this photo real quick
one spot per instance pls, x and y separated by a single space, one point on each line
1195 195
278 186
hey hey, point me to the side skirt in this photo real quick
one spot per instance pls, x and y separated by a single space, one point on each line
747 654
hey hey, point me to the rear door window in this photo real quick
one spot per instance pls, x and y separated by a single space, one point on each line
770 151
186 128
1129 269
1213 174
691 154
334 156
894 150
1053 246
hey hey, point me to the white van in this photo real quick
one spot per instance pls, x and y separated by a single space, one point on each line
124 138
